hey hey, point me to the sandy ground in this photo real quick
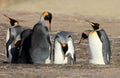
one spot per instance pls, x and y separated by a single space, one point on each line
109 8
68 19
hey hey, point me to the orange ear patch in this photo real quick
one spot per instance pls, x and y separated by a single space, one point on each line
45 14
84 32
16 23
64 45
15 41
100 27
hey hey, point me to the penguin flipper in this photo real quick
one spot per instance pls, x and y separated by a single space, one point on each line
70 59
105 46
24 50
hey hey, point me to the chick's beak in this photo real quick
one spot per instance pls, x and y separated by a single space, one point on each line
81 40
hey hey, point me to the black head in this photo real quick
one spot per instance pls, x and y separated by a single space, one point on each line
13 22
95 26
48 17
84 35
63 38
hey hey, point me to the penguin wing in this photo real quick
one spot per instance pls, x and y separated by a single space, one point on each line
105 46
25 38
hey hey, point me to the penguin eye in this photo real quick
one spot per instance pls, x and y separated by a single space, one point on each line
57 38
84 35
69 36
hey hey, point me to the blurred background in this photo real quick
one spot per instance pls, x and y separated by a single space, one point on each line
109 8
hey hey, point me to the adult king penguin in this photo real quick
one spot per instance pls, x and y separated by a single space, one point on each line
99 44
40 40
13 41
63 49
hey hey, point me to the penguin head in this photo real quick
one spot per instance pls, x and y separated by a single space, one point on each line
84 36
48 18
63 39
95 26
63 43
12 21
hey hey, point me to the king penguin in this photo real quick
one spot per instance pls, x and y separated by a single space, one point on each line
99 44
63 48
13 41
40 49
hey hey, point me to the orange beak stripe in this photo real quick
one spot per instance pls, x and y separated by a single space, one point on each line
84 32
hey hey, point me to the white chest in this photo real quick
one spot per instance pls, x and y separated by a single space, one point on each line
58 55
95 45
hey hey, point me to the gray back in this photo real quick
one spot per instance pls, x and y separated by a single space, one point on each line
105 45
40 43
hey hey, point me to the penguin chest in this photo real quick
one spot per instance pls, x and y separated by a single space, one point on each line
60 57
58 54
95 45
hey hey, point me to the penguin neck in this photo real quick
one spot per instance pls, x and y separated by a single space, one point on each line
44 22
98 29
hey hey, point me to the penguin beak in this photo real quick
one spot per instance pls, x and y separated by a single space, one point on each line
84 36
91 23
13 22
49 26
81 40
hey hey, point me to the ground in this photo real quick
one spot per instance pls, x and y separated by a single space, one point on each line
74 23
